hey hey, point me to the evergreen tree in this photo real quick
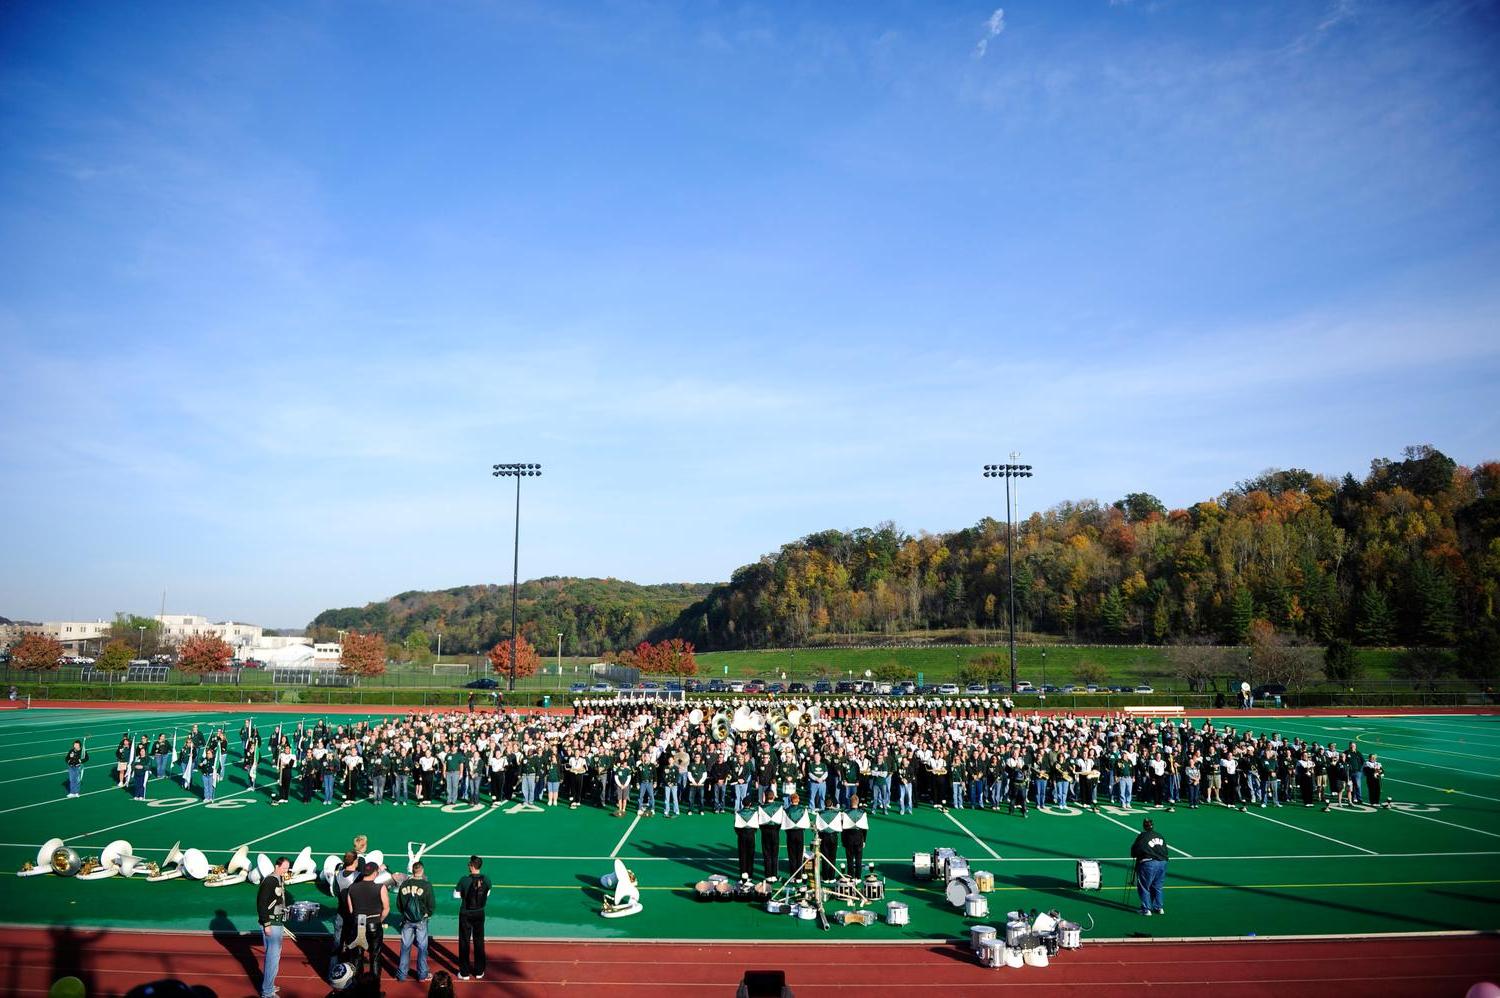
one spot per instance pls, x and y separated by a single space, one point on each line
1377 624
1433 605
1112 613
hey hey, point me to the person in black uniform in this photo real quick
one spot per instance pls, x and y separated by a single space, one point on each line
78 757
770 834
853 836
366 897
1150 854
271 902
473 893
744 836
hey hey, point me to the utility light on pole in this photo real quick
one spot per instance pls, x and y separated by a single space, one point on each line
140 645
518 472
1007 472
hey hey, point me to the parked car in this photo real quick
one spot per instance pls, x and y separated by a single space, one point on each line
1122 689
976 688
716 686
844 686
755 686
1068 688
578 688
1143 688
693 685
947 689
908 686
651 687
481 684
736 686
1024 686
627 687
1092 688
999 688
822 686
600 688
673 687
1046 688
776 688
797 688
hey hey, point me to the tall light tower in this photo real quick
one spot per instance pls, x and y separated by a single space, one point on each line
518 472
1007 472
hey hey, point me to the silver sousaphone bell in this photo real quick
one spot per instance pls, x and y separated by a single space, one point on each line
170 868
43 862
65 862
304 870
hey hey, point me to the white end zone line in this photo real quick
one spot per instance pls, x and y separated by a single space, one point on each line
982 844
1183 853
1309 831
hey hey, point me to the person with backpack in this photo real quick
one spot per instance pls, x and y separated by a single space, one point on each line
416 902
473 893
367 900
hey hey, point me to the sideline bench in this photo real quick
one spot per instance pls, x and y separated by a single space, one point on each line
1149 711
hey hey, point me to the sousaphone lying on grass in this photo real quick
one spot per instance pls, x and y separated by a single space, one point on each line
43 862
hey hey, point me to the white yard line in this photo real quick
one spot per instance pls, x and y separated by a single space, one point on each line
1309 831
982 844
1133 831
621 844
1450 824
460 828
59 775
326 812
1441 790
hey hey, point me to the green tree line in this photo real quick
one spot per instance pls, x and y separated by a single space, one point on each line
1410 555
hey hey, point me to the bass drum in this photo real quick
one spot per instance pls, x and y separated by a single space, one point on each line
959 889
1088 875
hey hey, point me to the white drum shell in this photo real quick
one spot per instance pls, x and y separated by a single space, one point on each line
959 889
976 906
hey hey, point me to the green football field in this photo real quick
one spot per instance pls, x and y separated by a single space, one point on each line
1430 863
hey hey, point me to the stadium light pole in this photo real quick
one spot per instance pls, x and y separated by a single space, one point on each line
1007 472
518 472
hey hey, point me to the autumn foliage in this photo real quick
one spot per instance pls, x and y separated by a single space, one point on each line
363 654
36 652
527 660
205 653
115 657
673 657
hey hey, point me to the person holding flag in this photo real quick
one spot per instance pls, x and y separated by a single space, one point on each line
138 770
122 759
162 751
77 757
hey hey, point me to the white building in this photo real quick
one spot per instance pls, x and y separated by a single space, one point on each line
178 627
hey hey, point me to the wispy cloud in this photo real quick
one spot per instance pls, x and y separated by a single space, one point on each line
993 28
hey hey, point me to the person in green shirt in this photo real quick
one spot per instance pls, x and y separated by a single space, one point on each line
453 771
697 780
621 776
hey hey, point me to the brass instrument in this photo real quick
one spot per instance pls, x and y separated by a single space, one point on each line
718 728
66 863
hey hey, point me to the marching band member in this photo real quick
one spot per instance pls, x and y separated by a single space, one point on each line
856 829
795 821
1374 774
286 766
769 819
746 820
122 759
76 759
827 823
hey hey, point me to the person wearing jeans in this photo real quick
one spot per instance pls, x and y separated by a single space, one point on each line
416 902
77 757
1150 854
270 905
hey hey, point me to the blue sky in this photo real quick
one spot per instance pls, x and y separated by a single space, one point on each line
279 282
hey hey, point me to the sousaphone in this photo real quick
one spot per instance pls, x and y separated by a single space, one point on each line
718 728
195 865
236 871
263 869
170 868
43 862
695 716
108 863
304 870
65 862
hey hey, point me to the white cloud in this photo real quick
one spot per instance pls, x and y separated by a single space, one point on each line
992 29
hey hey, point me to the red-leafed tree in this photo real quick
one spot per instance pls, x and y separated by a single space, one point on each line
205 653
527 660
673 657
36 652
363 654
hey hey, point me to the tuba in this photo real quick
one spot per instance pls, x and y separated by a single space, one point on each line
795 715
43 862
65 862
813 714
170 868
718 728
779 724
741 722
236 871
695 716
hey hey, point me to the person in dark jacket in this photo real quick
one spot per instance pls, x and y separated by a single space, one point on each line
270 910
473 893
1150 854
366 898
416 903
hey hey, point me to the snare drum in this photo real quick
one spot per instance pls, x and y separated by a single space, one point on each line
777 907
1069 935
985 879
921 865
723 891
874 888
1016 932
805 911
940 858
301 911
703 890
976 906
1048 941
958 867
896 913
1088 875
979 935
991 954
959 889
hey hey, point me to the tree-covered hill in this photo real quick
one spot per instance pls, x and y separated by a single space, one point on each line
1409 555
593 615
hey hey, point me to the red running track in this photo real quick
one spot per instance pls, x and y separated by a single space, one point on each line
111 963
